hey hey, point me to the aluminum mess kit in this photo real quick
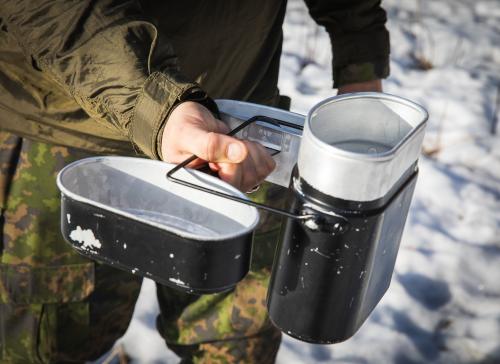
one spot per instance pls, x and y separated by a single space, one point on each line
350 167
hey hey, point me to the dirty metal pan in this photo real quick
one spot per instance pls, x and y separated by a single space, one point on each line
123 212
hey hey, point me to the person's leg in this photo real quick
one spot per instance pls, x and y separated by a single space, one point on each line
55 305
230 327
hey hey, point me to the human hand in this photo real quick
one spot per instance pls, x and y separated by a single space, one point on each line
374 85
192 129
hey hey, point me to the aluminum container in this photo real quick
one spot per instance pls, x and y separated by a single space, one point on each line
124 212
356 147
356 172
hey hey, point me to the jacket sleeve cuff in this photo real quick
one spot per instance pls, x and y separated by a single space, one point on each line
360 72
360 57
161 93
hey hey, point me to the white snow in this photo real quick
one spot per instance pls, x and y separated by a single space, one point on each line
443 305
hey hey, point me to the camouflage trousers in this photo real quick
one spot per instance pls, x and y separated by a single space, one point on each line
57 306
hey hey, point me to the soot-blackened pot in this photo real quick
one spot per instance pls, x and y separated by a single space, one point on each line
123 211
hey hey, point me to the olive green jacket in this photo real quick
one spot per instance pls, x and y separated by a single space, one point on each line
98 75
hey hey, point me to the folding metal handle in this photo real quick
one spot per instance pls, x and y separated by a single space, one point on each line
261 206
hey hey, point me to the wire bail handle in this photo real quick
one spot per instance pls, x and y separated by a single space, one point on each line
261 206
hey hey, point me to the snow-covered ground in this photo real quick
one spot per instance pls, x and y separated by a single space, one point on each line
444 302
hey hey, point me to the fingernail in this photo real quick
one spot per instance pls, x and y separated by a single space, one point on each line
234 152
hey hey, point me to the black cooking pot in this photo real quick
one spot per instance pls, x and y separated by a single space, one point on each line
356 172
124 212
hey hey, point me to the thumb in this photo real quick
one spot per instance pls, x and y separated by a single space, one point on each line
219 148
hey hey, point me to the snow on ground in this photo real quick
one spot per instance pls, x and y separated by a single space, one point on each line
444 302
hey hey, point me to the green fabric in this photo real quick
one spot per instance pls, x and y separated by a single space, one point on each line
233 326
360 72
360 41
55 305
103 75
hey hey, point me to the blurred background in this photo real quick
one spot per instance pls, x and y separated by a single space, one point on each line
443 305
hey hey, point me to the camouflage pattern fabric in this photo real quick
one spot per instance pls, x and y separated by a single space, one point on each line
58 306
229 327
55 305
